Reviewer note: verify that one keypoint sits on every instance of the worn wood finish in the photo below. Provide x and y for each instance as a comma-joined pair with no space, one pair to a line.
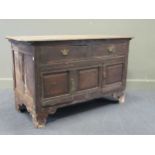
62,37
52,73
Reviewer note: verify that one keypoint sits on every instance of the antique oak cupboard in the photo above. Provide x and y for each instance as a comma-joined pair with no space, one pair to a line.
51,72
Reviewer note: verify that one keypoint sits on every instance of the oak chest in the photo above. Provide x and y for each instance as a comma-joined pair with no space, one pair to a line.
55,71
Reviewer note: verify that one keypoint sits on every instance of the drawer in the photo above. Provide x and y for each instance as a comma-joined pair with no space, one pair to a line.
49,54
90,49
110,48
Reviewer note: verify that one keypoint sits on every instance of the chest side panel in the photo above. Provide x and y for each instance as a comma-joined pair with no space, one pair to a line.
23,70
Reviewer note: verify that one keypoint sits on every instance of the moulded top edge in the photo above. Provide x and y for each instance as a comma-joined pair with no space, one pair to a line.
63,37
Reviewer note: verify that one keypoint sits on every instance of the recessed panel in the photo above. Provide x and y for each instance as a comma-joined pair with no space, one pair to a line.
114,73
19,70
88,78
55,84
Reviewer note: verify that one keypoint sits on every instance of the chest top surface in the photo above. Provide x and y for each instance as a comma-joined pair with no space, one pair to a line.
63,38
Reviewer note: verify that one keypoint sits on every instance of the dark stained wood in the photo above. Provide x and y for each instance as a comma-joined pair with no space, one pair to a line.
114,73
50,74
55,84
50,53
88,78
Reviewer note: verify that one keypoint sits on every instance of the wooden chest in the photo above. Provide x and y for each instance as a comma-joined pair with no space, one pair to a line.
55,71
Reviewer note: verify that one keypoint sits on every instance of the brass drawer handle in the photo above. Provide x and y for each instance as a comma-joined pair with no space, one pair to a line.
65,52
111,49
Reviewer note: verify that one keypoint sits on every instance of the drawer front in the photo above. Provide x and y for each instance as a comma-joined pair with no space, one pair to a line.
110,48
74,51
49,54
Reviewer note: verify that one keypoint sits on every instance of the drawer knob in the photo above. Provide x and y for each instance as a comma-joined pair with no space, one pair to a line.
65,52
111,49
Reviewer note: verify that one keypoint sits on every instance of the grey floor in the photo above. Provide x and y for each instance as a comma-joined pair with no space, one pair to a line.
136,116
